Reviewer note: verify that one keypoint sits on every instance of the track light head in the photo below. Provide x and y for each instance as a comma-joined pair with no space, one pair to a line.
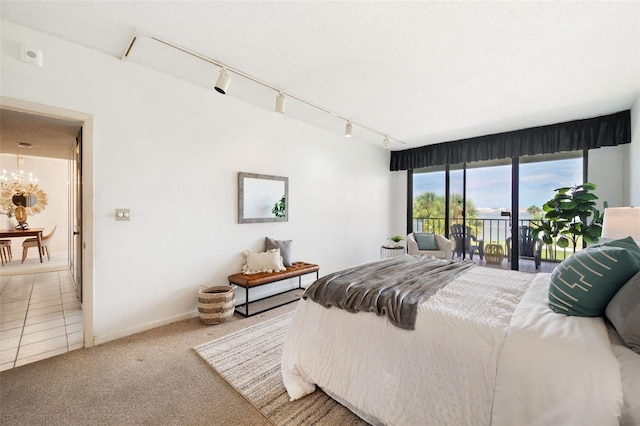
347,129
385,143
223,82
280,103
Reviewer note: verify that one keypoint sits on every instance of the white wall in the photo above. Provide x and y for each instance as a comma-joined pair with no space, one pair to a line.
170,151
616,170
607,171
633,158
52,175
399,204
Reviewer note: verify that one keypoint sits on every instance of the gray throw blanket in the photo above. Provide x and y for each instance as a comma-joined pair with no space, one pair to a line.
393,287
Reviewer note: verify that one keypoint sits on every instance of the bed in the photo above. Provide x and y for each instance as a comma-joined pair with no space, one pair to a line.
484,349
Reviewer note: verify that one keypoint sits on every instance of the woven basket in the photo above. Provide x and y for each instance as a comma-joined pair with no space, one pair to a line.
216,304
494,253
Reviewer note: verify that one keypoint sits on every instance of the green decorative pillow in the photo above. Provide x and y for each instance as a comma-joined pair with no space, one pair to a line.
426,241
625,243
583,284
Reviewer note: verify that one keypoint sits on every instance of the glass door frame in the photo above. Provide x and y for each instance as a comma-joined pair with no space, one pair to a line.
515,200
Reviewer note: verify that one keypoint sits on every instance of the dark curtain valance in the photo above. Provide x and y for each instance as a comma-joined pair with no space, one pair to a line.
606,130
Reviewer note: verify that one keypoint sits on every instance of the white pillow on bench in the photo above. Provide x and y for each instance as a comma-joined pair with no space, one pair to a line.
268,261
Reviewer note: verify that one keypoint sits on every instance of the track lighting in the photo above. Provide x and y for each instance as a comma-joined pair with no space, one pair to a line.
223,82
224,79
385,143
280,102
347,130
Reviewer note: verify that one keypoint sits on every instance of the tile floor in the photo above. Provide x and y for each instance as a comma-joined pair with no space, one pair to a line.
40,317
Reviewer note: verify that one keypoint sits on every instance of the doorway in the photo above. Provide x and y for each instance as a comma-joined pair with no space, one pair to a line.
80,213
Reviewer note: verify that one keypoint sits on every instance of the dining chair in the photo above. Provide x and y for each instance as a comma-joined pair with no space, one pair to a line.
33,242
5,251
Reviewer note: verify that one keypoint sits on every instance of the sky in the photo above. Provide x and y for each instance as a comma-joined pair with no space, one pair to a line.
491,186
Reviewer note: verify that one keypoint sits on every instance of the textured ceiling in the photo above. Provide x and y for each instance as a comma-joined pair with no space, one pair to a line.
45,136
421,72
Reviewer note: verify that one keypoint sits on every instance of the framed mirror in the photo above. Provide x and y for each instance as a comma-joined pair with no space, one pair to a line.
34,201
262,198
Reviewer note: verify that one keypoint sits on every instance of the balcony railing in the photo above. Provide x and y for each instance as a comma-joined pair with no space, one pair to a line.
491,231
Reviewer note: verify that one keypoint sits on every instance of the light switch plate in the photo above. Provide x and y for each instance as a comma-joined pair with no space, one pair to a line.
123,214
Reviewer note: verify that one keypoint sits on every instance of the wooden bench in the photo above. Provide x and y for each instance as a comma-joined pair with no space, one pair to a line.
297,269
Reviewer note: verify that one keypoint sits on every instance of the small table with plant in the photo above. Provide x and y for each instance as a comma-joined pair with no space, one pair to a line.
393,248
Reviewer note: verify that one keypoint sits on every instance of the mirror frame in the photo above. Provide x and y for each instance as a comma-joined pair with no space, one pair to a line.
6,201
241,191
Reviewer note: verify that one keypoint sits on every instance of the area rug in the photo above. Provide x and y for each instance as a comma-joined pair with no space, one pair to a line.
249,360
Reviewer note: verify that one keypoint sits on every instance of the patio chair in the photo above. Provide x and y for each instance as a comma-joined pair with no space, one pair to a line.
528,246
442,249
463,238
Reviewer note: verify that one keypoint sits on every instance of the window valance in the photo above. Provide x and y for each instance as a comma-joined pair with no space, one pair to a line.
606,130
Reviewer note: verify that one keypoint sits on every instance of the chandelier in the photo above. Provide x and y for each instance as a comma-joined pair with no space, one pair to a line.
18,183
22,185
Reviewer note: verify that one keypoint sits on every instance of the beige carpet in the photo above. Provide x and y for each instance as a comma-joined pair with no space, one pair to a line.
250,361
150,378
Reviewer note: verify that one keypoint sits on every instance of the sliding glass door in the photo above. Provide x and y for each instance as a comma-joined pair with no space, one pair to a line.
488,198
540,175
471,203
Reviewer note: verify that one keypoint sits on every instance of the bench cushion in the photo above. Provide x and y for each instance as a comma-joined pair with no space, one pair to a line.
296,269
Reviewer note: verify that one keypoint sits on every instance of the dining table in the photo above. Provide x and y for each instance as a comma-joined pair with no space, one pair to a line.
17,233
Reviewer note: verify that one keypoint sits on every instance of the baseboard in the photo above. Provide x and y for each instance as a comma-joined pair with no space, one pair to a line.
100,339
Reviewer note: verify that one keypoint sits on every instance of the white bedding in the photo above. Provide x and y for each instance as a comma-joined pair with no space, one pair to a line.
486,331
630,372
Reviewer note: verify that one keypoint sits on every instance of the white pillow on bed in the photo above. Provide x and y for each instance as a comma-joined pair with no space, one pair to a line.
268,261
